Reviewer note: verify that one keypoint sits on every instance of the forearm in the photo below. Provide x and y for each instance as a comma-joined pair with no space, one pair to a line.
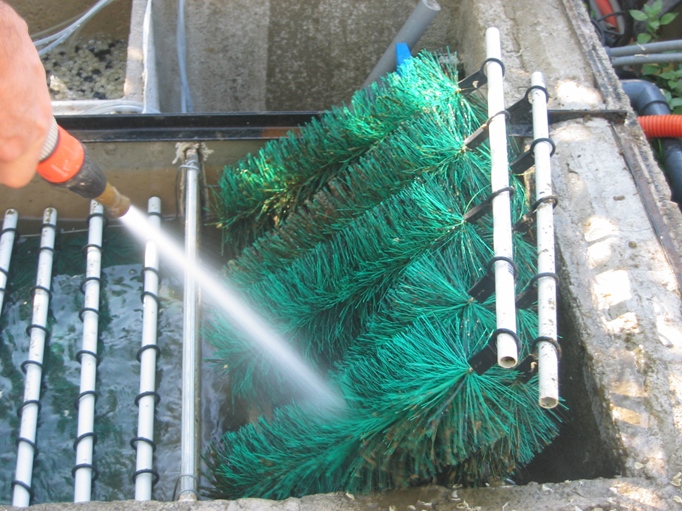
24,100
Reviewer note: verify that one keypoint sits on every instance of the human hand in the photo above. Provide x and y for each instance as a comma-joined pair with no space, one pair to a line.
25,107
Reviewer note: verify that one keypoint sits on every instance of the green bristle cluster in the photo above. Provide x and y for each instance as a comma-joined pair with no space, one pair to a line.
362,258
261,191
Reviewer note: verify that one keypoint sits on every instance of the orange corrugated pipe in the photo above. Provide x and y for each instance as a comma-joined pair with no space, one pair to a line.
661,126
606,9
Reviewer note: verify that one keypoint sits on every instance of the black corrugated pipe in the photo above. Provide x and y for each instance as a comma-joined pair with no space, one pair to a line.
647,99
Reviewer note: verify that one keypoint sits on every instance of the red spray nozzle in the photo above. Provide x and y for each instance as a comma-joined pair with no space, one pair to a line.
65,163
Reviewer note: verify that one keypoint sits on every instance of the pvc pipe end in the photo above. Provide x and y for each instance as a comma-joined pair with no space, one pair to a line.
548,402
507,362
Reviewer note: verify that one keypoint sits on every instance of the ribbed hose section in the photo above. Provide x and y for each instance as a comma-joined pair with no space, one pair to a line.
661,126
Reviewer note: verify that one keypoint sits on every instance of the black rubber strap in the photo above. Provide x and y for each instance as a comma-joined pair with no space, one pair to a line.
133,442
23,405
80,353
485,206
30,362
76,468
41,288
487,357
29,442
151,295
154,473
530,90
157,398
88,279
4,272
8,229
536,141
148,347
550,340
39,327
77,402
509,260
87,309
492,59
25,486
83,436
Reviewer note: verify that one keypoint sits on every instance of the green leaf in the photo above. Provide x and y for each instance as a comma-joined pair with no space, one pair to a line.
653,25
643,38
675,102
655,8
667,18
638,15
650,69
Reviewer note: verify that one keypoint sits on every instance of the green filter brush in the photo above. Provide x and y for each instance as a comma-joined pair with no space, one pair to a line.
262,190
355,243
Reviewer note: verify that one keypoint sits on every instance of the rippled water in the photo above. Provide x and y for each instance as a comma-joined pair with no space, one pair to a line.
117,382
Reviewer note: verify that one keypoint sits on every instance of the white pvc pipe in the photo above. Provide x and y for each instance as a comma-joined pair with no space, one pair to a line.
150,313
9,226
548,363
189,466
505,305
34,371
150,95
83,471
410,33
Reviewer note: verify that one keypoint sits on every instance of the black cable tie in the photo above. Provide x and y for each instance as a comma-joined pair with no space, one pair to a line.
23,405
133,442
147,347
475,213
76,468
29,362
87,309
550,340
152,295
88,279
77,401
155,213
80,353
83,436
157,398
42,288
4,272
8,229
154,473
529,295
487,357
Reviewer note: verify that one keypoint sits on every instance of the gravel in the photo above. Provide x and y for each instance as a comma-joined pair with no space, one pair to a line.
92,69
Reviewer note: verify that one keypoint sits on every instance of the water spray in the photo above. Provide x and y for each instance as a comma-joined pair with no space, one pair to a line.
65,163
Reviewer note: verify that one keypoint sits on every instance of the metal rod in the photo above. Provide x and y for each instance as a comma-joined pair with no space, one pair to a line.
505,305
144,471
34,364
548,359
641,49
83,470
9,228
652,58
190,388
410,33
